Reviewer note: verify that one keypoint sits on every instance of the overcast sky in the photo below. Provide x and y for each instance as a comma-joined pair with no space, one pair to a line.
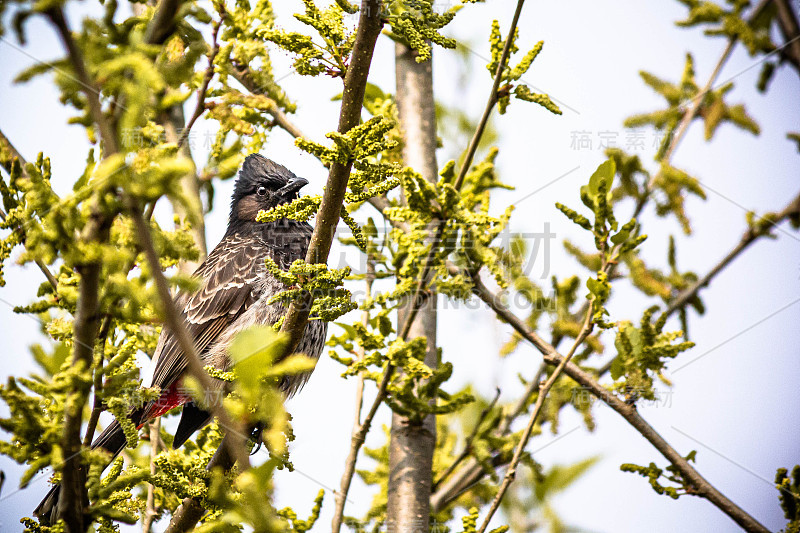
734,398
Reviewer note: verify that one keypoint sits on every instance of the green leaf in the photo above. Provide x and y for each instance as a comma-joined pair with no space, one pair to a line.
253,352
604,173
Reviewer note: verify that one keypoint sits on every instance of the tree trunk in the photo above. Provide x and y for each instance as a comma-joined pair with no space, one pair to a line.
411,445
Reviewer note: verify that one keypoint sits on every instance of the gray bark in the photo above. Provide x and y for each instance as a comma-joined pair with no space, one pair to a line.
412,444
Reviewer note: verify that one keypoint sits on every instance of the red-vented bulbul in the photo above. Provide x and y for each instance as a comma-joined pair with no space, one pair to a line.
234,293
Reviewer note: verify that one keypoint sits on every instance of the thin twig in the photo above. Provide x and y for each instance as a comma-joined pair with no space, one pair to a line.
492,100
150,511
468,442
700,485
749,237
175,322
90,90
356,441
201,93
349,470
692,113
472,471
586,329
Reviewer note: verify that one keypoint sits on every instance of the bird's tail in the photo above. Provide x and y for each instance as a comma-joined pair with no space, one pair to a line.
112,439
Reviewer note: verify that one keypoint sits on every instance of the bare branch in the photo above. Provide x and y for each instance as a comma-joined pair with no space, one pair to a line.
586,329
787,21
360,431
749,237
201,92
551,356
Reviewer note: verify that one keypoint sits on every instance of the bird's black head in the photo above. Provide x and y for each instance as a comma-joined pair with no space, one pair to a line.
262,184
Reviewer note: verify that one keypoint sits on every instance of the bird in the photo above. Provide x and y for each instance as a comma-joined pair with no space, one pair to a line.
234,294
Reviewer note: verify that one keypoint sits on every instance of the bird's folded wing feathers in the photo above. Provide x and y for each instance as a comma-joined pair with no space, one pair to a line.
228,287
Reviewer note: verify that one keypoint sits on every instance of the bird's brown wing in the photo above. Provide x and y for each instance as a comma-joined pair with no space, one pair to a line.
228,286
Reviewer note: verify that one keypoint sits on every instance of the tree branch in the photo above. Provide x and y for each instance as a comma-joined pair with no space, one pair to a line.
74,498
551,356
586,329
174,320
201,92
749,237
355,82
163,22
356,441
787,21
492,100
360,430
150,511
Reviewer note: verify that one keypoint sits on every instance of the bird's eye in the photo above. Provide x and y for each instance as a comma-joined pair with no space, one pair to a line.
261,191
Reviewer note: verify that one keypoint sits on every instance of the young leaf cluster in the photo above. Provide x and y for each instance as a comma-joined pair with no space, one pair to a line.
656,476
511,75
643,352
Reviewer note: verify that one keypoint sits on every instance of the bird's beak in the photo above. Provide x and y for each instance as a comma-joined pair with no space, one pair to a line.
289,191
